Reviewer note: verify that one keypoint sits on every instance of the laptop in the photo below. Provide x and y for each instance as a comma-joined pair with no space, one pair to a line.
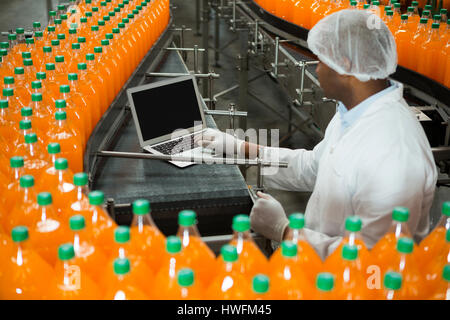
167,114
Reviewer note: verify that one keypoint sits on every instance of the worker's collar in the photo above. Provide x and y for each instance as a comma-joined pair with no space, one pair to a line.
348,117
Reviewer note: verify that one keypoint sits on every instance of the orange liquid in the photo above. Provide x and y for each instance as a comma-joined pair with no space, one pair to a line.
350,281
403,39
229,283
11,193
59,184
22,213
91,93
193,292
442,292
42,114
251,260
100,85
149,242
122,287
429,55
166,279
89,104
23,275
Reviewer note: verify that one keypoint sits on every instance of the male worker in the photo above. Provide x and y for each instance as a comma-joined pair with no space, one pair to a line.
374,156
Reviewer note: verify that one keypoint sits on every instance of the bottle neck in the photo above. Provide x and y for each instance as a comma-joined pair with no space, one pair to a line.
19,254
16,174
44,212
240,238
60,123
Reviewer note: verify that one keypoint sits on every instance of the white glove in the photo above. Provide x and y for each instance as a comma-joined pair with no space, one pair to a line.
220,142
268,217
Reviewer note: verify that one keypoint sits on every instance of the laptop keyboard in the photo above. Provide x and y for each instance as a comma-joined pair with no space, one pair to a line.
176,146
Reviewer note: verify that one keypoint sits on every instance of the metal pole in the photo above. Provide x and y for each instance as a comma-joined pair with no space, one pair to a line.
302,82
217,38
197,18
196,59
205,45
232,110
212,105
183,54
275,65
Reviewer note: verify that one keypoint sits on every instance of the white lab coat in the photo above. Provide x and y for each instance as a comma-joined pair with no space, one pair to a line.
381,161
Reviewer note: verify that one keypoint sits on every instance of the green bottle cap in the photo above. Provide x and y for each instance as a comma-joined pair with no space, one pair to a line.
392,280
37,84
81,40
49,66
3,52
130,16
4,45
36,97
80,179
8,80
400,214
187,218
82,66
66,252
297,221
426,13
122,234
437,17
415,3
12,36
51,29
325,281
19,70
90,56
121,266
76,46
38,34
446,208
125,20
41,76
26,55
72,31
288,249
185,277
135,11
121,25
98,50
105,42
229,253
84,19
19,234
26,181
349,252
109,36
61,36
443,11
366,6
260,283
121,5
24,124
96,198
405,245
116,30
94,28
27,62
8,92
55,42
64,88
241,223
446,273
77,222
60,7
53,148
60,115
106,18
141,207
60,103
20,30
44,199
59,59
447,235
117,10
26,112
353,224
64,17
397,5
31,138
173,244
52,13
389,13
410,9
29,40
435,25
428,7
94,9
404,17
112,13
423,20
376,3
101,23
103,3
72,76
4,104
16,162
61,164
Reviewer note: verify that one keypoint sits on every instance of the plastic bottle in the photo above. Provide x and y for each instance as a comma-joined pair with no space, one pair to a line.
14,101
116,55
29,70
251,260
416,41
393,286
325,286
289,282
307,257
403,39
195,252
140,275
10,193
22,271
51,84
122,287
47,231
41,112
76,57
102,87
228,283
85,86
8,129
79,202
71,282
261,287
106,73
127,43
443,290
413,17
69,139
145,235
173,261
88,256
76,107
186,288
429,53
21,87
49,177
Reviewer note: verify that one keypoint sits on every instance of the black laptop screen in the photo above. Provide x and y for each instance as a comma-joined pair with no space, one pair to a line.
164,109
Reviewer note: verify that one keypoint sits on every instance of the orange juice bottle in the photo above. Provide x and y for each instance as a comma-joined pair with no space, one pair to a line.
288,279
47,57
385,249
325,286
116,54
46,102
61,70
444,57
29,69
390,21
19,142
195,252
35,158
58,26
100,224
417,39
85,86
8,119
25,274
11,191
261,288
82,102
138,32
94,37
352,237
47,232
350,281
146,238
106,73
397,14
79,202
48,98
41,112
186,288
99,80
76,107
413,17
83,48
429,53
393,286
307,257
57,49
228,283
21,212
76,57
51,83
133,38
128,48
38,44
21,87
122,287
110,60
49,176
87,255
64,133
49,35
71,39
403,39
251,260
71,282
443,290
140,274
173,261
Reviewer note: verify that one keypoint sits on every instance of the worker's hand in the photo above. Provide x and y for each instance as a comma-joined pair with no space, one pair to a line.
220,142
268,217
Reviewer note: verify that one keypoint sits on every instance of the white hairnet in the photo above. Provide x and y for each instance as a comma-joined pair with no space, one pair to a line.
356,43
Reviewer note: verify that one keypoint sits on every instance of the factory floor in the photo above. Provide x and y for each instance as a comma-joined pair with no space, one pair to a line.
21,13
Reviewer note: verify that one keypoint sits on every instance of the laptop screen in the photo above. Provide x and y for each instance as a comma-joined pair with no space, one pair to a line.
164,109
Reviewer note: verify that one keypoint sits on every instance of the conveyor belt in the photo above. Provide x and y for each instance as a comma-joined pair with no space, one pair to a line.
215,192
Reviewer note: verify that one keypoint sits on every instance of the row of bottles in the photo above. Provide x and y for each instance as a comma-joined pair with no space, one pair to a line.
422,40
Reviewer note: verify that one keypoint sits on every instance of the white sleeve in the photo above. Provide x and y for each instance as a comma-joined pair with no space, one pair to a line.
323,244
301,173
